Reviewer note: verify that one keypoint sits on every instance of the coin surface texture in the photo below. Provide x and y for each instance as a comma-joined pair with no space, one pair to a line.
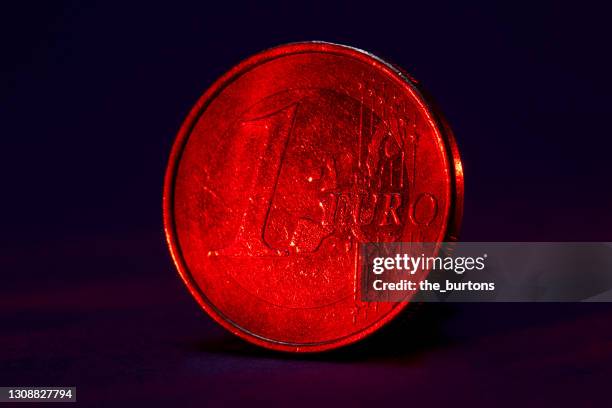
284,166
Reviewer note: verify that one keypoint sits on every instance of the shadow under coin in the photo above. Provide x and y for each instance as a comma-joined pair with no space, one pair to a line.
417,331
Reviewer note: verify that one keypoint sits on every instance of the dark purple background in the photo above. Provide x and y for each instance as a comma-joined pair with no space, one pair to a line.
91,97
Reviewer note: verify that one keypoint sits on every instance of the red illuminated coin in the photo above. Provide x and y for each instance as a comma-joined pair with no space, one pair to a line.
283,167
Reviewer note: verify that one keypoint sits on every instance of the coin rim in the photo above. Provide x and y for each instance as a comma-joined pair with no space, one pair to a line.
454,165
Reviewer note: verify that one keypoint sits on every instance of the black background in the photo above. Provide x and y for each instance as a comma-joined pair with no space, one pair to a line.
91,97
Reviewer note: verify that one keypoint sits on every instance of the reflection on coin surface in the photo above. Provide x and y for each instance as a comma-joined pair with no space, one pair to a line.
284,166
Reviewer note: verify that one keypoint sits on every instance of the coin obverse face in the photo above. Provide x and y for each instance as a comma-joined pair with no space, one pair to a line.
282,169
